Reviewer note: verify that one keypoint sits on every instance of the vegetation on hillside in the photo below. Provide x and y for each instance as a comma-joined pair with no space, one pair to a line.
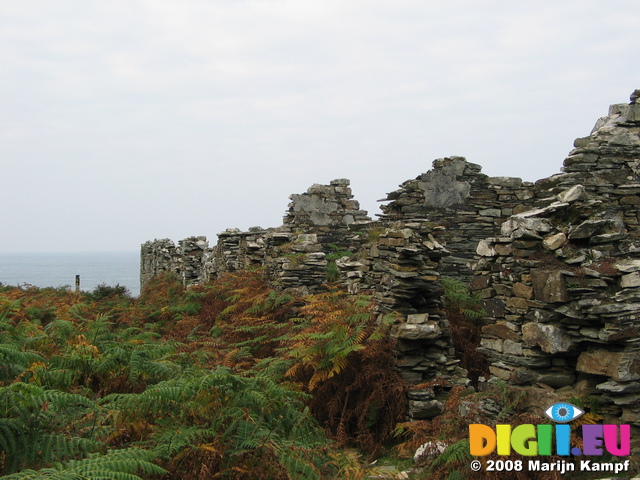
209,382
228,380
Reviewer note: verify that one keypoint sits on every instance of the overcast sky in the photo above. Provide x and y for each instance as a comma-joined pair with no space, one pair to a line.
129,120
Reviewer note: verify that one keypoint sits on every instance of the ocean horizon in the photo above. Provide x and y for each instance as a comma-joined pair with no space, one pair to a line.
59,269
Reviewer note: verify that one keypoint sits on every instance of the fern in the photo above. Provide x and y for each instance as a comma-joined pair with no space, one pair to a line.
44,474
457,296
8,308
173,439
158,399
114,465
342,355
92,380
14,361
35,425
455,454
60,330
100,330
340,327
117,464
229,416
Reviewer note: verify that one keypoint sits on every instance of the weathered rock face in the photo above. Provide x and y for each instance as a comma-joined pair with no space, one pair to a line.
556,262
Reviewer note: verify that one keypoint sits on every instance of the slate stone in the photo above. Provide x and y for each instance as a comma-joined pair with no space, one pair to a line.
588,228
425,331
550,338
554,241
549,286
423,410
620,366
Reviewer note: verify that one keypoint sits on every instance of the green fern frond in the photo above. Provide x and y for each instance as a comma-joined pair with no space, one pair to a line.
456,453
172,439
44,474
9,434
298,467
117,464
14,361
60,330
458,297
233,298
252,341
8,307
114,465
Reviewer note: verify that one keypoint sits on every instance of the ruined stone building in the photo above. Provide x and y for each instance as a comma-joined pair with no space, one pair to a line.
556,262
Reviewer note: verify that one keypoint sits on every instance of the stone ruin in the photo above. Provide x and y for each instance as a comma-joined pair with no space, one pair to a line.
561,281
464,206
556,263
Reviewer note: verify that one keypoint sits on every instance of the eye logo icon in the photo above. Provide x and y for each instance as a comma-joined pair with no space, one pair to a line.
563,412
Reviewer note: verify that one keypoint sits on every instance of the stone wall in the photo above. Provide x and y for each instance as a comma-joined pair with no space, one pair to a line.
463,205
325,210
186,261
399,269
395,263
561,281
557,264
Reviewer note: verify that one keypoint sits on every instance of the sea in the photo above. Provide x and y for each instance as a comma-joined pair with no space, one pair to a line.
60,269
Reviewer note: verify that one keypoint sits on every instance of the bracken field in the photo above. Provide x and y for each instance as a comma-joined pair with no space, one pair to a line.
227,380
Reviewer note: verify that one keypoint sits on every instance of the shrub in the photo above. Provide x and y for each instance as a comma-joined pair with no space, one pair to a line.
104,291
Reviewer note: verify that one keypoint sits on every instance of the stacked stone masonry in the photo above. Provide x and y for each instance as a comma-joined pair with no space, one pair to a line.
556,263
561,281
463,204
